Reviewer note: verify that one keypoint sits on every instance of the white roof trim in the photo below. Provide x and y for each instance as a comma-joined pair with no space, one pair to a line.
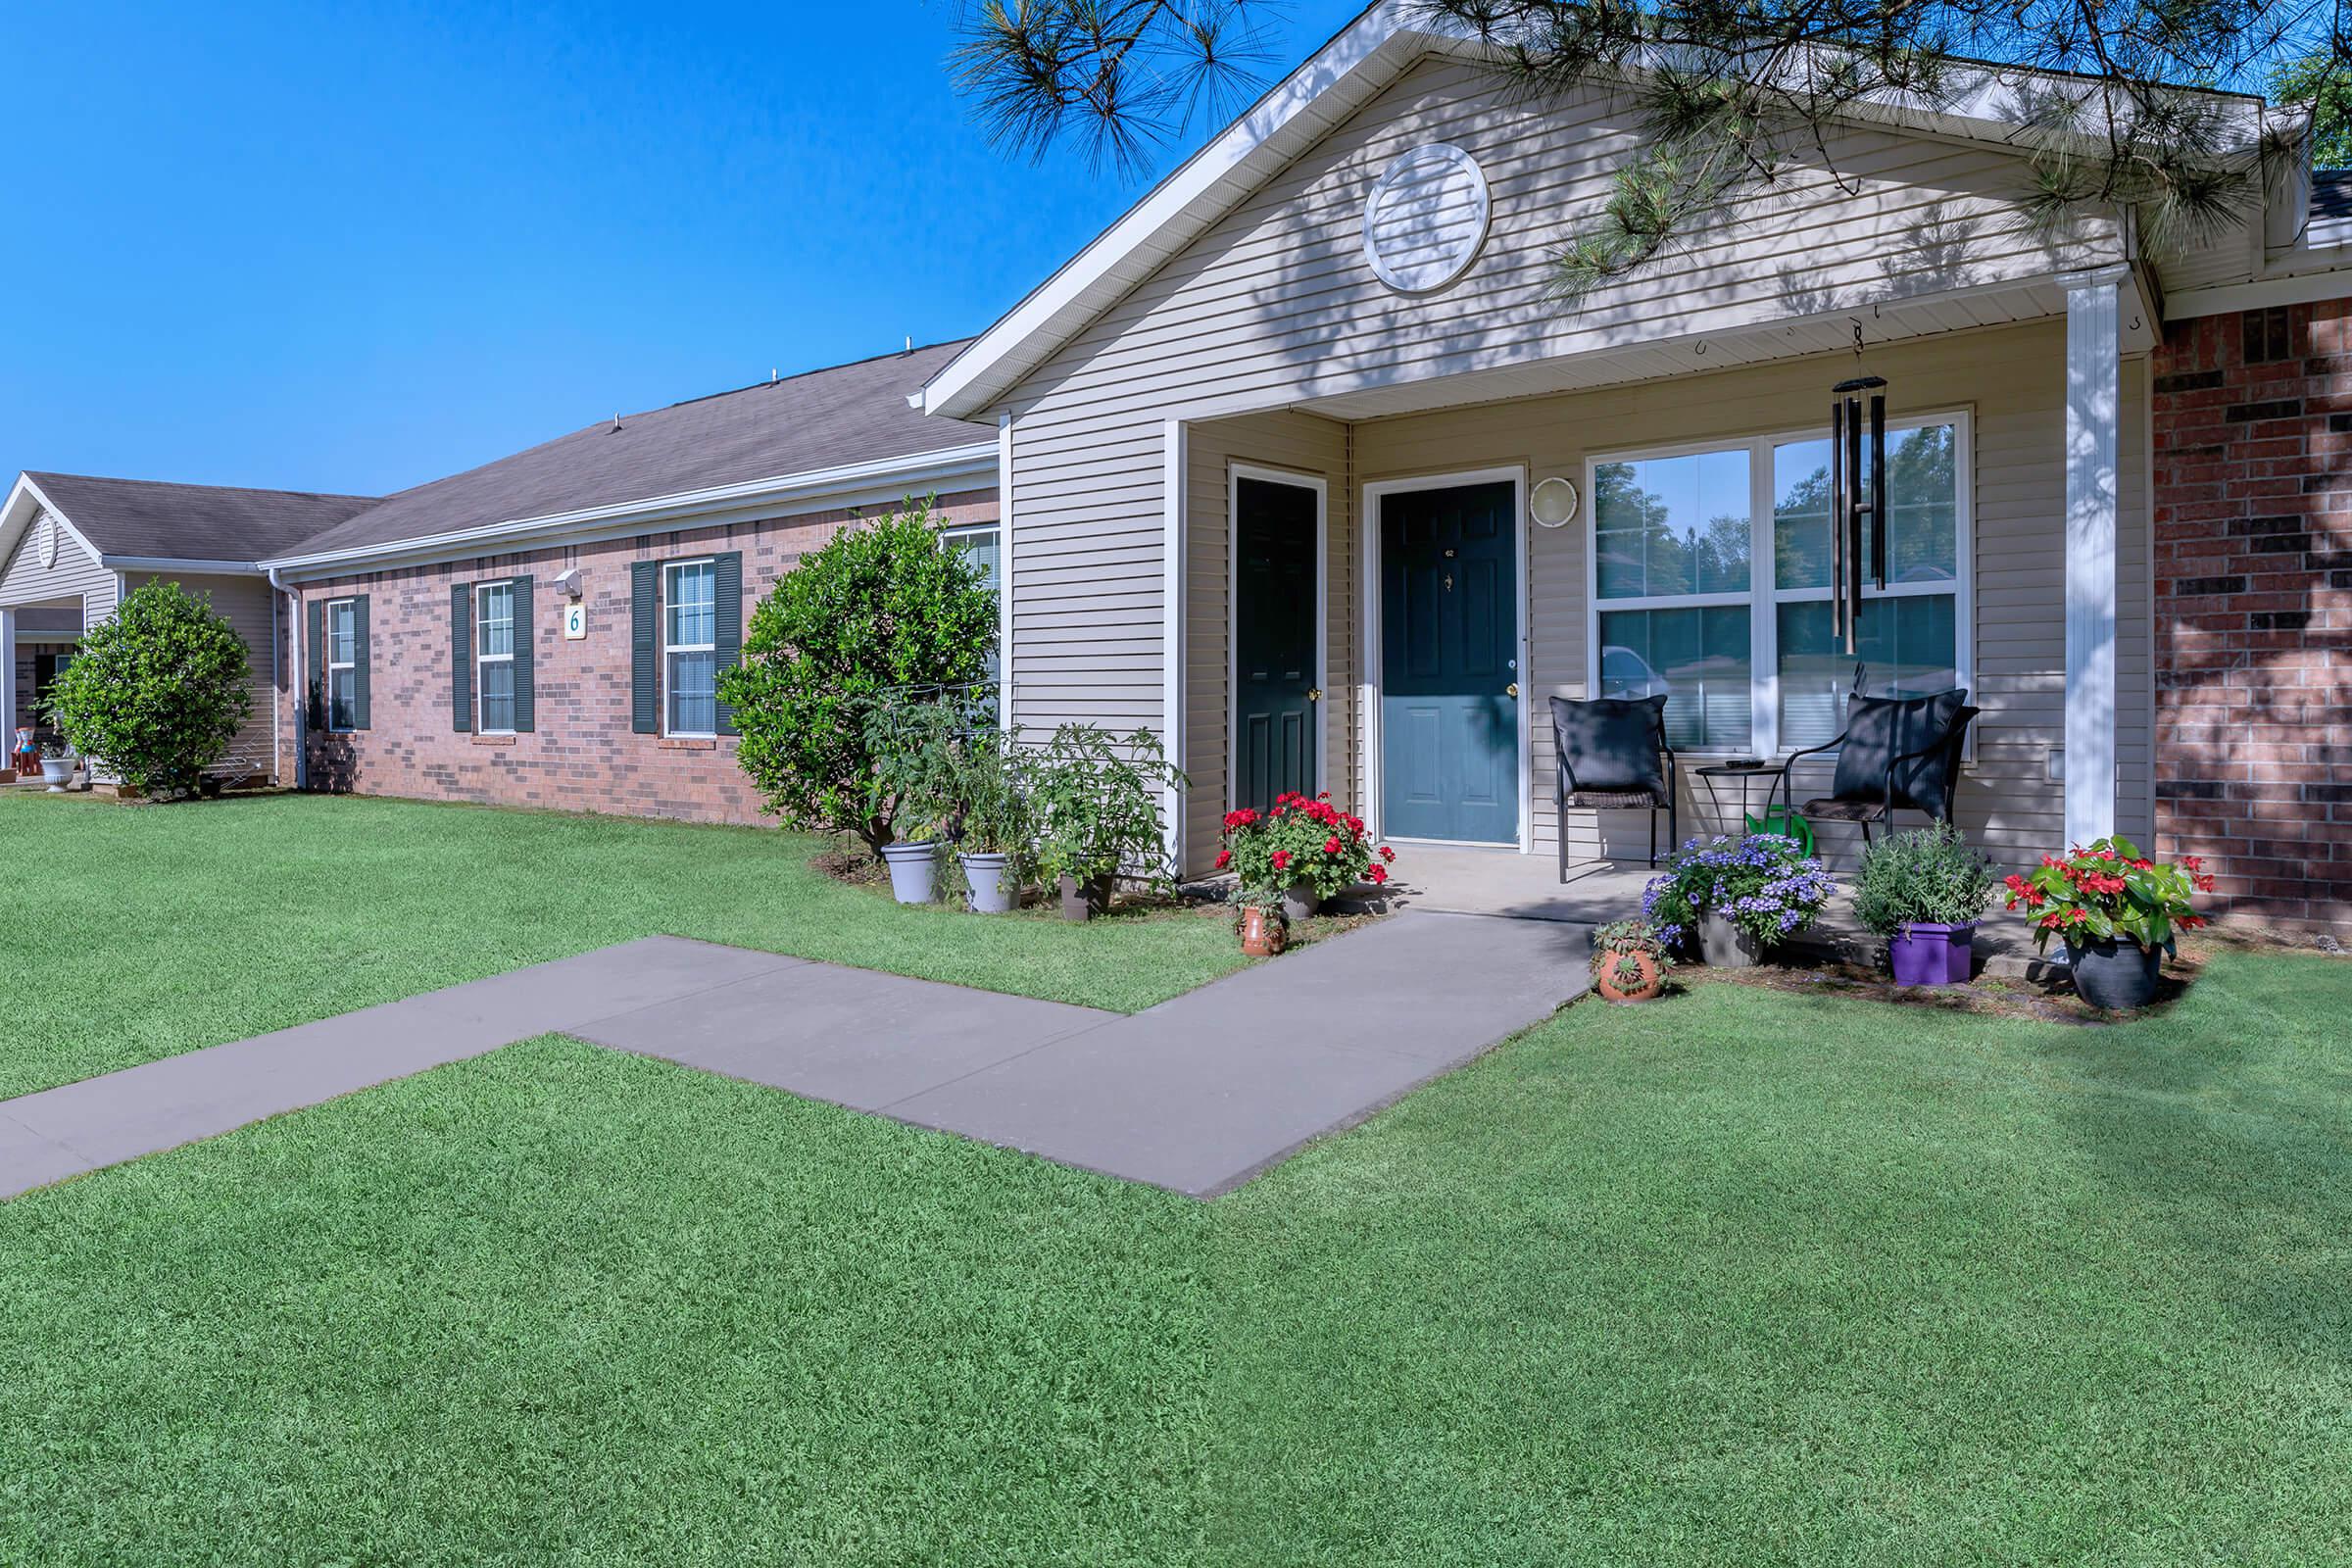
194,568
875,483
1984,109
25,502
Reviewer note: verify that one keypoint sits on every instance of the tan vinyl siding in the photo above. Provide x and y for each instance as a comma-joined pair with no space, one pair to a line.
1275,306
2013,382
250,606
76,576
1294,443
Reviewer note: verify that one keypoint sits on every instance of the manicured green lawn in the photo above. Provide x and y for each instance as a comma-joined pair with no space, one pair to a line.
142,931
1745,1277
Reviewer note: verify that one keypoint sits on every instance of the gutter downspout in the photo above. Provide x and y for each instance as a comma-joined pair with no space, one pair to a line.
294,693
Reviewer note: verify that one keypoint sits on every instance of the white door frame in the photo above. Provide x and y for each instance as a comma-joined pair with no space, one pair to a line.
1370,688
1236,473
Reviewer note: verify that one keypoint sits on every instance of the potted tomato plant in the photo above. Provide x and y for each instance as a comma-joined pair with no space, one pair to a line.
2115,910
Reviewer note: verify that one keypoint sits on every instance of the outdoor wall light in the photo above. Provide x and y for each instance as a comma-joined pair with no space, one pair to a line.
1553,502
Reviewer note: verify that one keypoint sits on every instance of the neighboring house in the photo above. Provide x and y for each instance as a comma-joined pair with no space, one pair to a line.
1262,461
543,630
73,546
1270,441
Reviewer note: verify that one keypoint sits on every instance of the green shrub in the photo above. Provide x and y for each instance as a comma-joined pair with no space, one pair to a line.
157,692
1924,877
882,607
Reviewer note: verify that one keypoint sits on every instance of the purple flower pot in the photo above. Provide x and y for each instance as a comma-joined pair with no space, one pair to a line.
1925,955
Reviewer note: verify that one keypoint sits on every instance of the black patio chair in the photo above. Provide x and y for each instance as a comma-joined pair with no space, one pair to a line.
1613,758
1895,753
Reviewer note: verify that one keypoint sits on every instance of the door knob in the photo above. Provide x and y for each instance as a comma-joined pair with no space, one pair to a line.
1314,694
1512,690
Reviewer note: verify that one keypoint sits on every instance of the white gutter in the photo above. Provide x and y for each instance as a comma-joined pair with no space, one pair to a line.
876,483
199,569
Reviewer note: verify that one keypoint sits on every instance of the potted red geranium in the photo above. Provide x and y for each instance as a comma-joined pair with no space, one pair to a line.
2115,910
1299,853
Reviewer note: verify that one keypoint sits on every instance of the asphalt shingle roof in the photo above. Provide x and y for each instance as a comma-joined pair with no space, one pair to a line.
191,521
826,419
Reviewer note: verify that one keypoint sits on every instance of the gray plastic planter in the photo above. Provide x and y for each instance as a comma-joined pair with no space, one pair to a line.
1724,944
994,892
914,870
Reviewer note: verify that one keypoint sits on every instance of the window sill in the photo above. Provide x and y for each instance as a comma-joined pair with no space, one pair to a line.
494,740
690,743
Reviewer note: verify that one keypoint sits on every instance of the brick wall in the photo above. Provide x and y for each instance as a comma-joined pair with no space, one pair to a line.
2253,520
582,755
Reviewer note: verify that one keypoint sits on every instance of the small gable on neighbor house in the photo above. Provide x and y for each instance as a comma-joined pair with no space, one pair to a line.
51,567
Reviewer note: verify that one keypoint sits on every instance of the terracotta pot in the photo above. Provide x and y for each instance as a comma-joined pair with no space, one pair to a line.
1265,933
1611,989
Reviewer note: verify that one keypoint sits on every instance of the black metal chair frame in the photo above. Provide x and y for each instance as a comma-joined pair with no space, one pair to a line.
1563,785
1953,740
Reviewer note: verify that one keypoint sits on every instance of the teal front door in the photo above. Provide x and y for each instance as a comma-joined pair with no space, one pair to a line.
1274,566
1449,671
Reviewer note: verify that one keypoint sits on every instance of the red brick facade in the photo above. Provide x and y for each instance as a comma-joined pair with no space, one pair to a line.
581,754
2253,522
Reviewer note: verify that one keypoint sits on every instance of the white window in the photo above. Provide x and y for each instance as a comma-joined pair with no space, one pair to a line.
494,659
1710,584
342,663
986,546
690,647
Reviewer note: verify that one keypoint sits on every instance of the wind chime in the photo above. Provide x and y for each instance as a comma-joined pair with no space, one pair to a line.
1857,491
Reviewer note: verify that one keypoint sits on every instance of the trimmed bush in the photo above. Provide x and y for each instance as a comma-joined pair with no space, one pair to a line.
157,692
883,609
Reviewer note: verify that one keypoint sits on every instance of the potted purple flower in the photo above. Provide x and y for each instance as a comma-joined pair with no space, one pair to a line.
1922,891
1738,896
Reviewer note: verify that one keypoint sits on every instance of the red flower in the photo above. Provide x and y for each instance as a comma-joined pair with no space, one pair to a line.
1282,859
1378,874
1331,846
2193,862
1224,858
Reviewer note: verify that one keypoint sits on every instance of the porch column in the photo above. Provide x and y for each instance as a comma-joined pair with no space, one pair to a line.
8,685
2093,404
1175,436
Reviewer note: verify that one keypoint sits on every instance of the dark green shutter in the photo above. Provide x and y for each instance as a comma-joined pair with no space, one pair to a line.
645,647
359,662
728,637
461,658
315,698
526,633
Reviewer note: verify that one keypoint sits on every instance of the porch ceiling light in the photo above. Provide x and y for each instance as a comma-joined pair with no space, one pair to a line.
1553,502
1426,217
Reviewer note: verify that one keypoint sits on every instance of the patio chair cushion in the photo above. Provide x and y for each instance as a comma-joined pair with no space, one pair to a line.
1611,745
1879,729
1616,800
1828,808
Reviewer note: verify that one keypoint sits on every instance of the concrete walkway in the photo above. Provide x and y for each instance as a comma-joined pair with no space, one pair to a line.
1197,1095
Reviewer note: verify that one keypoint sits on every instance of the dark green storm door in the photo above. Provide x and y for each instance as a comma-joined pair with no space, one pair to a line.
1274,696
1449,671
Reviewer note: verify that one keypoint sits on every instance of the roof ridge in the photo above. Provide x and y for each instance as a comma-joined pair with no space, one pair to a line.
38,475
819,369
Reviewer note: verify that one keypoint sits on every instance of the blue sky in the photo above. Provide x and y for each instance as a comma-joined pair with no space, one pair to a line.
357,249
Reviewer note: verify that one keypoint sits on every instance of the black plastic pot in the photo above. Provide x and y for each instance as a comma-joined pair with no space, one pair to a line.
2115,975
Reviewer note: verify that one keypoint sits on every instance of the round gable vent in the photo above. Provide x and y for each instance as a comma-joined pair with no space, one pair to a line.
48,541
1426,218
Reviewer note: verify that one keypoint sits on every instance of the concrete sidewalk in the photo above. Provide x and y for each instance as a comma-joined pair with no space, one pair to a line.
1197,1095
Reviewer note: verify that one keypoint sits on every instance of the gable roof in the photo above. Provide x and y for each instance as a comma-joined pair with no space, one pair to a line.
829,426
1384,42
127,521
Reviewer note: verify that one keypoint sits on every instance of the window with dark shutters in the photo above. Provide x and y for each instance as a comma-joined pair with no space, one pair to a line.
461,658
645,647
360,660
727,640
526,633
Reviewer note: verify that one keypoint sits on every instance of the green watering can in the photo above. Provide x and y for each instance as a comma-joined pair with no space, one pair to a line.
1783,821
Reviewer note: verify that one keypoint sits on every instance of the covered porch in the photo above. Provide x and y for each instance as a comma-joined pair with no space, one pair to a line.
1373,605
